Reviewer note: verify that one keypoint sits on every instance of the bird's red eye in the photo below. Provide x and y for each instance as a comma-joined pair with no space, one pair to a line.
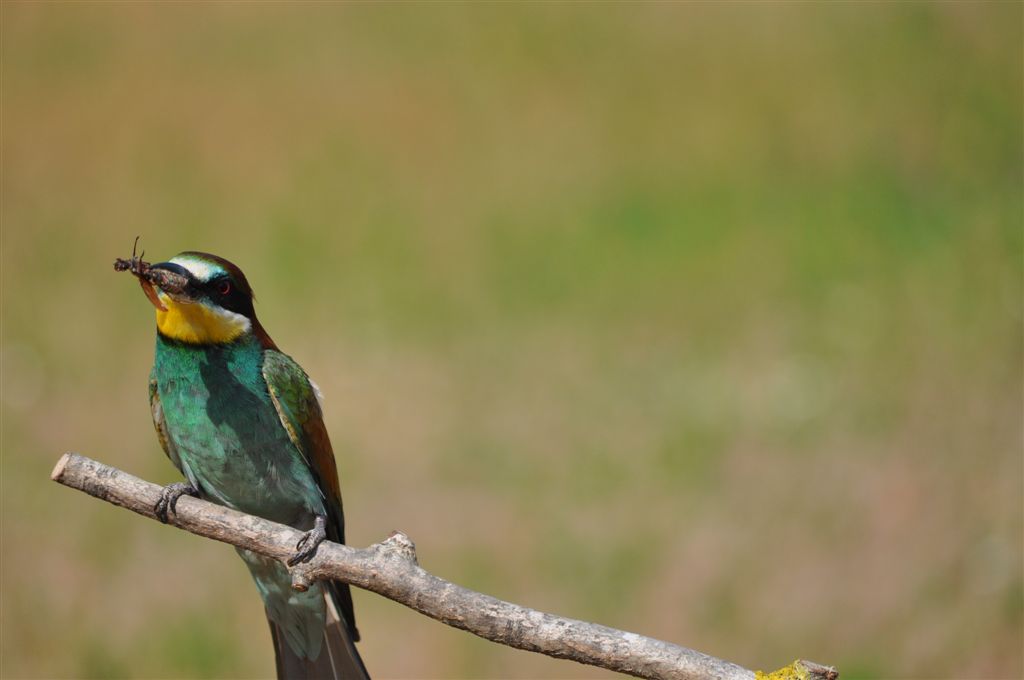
224,288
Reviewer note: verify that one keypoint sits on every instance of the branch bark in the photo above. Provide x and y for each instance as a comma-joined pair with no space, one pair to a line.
390,568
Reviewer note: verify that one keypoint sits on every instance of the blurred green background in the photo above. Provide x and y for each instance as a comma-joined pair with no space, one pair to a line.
697,320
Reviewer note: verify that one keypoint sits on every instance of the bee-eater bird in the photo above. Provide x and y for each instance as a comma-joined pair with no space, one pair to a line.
242,422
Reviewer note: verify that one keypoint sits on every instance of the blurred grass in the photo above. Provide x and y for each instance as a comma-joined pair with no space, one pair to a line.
698,320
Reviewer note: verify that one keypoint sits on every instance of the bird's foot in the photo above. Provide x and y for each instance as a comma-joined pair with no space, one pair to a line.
307,545
169,499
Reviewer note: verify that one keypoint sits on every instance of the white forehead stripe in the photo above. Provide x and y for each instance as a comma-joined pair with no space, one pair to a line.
201,269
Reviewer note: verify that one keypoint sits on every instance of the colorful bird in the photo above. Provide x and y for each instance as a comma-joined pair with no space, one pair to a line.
242,422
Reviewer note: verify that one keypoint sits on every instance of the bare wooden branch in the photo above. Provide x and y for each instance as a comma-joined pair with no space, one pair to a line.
390,569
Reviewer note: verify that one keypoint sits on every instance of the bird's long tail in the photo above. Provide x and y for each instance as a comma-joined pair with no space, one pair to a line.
338,658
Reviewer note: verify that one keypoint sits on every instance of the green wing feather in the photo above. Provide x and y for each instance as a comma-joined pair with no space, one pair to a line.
296,402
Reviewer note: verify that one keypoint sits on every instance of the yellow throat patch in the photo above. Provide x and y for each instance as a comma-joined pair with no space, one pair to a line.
197,324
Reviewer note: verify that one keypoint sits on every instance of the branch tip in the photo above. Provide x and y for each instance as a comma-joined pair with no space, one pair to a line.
800,670
817,671
58,469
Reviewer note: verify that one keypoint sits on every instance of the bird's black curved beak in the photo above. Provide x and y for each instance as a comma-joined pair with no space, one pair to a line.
169,277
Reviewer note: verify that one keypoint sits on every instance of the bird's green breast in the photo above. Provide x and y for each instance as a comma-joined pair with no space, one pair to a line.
225,430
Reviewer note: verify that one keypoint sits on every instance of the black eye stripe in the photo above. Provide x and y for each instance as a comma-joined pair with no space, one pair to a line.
234,300
214,284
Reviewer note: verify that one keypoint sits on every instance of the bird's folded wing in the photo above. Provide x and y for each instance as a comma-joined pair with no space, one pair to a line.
296,402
